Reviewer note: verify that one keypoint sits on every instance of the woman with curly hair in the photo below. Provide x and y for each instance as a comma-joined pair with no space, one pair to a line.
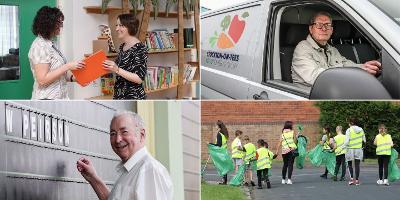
131,63
49,66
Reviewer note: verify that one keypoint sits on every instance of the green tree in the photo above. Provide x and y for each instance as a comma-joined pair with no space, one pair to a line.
368,114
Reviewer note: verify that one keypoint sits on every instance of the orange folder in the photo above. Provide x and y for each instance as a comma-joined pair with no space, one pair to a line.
93,70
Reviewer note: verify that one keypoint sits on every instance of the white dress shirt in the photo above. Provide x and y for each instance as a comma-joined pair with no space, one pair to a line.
142,178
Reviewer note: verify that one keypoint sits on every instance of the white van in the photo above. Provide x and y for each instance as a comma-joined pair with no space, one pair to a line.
247,49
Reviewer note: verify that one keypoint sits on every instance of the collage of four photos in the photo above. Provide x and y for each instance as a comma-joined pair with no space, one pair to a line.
199,99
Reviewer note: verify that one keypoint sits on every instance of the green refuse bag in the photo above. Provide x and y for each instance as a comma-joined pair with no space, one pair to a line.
221,159
301,147
239,176
329,160
394,171
316,155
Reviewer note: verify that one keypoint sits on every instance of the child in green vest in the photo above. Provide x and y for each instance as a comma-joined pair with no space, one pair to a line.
340,151
384,144
264,161
237,150
326,141
249,159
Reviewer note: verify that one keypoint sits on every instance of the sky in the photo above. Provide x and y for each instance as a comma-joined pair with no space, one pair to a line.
216,4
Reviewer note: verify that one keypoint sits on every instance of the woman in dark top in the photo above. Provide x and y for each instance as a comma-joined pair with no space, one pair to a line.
222,141
131,63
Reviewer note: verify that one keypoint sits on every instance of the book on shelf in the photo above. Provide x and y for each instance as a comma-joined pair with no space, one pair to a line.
161,77
159,40
188,74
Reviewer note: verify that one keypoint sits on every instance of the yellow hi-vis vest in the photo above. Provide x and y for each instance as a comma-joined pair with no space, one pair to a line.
250,152
288,140
224,142
356,139
326,143
383,144
236,153
339,140
264,160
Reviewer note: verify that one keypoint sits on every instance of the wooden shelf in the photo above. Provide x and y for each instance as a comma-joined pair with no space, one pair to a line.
167,50
97,10
162,89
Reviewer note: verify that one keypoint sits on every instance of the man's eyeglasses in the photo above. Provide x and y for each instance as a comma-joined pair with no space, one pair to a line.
327,26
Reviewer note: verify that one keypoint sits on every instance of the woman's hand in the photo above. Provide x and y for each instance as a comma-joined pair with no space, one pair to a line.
110,66
76,65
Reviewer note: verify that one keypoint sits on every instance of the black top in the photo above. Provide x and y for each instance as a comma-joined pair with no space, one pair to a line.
132,60
219,140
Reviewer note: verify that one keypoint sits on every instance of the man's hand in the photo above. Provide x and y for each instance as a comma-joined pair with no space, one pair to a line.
86,168
373,67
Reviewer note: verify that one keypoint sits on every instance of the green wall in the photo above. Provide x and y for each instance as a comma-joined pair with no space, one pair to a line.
168,142
22,89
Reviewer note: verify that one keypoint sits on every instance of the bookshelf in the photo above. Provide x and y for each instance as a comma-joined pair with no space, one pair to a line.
181,90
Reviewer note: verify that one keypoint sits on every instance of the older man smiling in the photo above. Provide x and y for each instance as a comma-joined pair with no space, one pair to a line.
142,177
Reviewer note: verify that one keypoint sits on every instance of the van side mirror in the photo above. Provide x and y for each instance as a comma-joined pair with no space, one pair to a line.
347,83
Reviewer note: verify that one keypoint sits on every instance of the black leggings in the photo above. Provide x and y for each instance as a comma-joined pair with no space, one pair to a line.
225,178
383,161
357,166
340,160
262,174
288,160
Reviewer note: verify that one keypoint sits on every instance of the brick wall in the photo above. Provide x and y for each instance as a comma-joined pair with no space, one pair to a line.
258,120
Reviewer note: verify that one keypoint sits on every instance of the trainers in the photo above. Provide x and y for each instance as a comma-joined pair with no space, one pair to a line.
259,187
351,182
289,182
283,181
386,182
379,182
357,182
246,184
335,178
325,176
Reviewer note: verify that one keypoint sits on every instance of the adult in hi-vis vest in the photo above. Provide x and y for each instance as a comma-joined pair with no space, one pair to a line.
221,141
340,151
288,141
355,137
249,160
384,144
237,150
326,141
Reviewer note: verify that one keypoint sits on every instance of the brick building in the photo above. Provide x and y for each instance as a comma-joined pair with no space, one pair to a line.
258,120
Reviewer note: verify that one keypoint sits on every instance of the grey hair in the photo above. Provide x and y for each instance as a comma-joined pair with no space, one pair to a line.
321,13
139,123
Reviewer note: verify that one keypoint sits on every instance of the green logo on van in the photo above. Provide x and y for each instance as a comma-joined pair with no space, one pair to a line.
231,32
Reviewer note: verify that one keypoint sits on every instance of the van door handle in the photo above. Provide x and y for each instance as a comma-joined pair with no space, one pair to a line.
262,96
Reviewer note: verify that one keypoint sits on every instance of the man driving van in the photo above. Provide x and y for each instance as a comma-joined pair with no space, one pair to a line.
314,55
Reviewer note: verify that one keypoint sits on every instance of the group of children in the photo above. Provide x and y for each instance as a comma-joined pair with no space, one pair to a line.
347,148
260,158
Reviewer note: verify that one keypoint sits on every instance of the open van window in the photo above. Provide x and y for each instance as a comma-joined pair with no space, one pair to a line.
292,26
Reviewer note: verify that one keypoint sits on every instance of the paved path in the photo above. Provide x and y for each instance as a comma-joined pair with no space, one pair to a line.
307,185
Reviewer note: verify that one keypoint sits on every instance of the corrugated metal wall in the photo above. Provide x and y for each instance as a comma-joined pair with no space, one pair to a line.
191,148
40,142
